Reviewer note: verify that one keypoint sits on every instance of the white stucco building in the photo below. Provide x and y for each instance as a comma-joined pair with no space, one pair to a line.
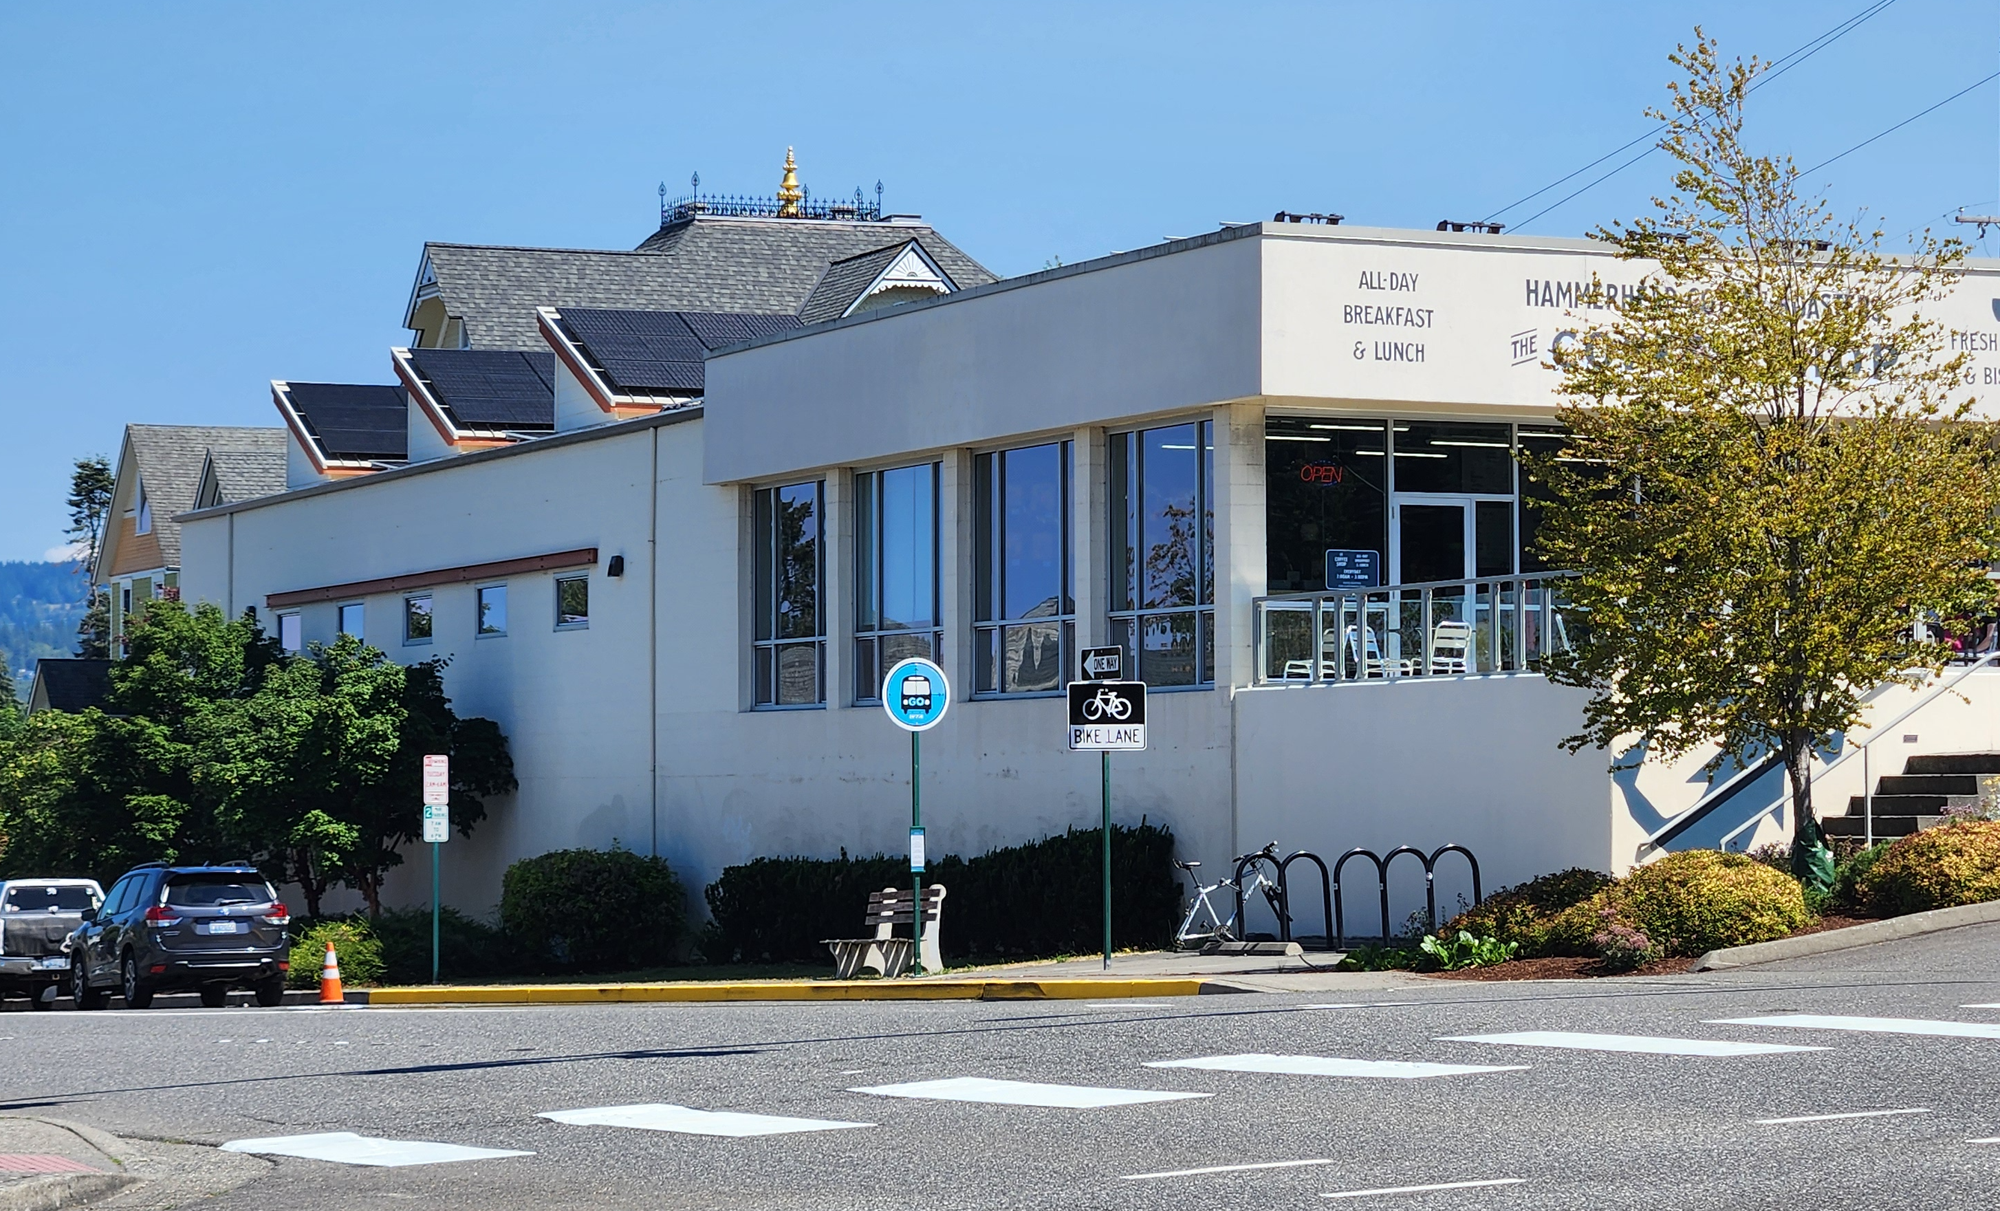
677,595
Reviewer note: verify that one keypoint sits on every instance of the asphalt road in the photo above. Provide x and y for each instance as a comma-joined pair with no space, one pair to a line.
1577,1128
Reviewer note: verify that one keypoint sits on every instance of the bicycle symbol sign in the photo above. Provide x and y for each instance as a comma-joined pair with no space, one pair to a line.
1107,715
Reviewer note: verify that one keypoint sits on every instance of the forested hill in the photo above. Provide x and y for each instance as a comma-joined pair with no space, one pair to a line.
40,606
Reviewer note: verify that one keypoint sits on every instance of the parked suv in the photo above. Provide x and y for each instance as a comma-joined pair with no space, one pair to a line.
168,928
36,919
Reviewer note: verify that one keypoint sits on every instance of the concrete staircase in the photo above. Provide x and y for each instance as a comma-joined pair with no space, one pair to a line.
1916,798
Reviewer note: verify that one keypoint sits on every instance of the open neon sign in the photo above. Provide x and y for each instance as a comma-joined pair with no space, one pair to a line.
1323,472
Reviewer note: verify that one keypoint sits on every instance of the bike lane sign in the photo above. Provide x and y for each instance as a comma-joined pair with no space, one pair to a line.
1107,716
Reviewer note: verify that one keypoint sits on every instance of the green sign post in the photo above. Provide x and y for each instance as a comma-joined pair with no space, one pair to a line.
915,695
1106,715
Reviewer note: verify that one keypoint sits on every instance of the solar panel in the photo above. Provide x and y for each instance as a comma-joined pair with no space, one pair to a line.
355,420
492,388
717,329
661,350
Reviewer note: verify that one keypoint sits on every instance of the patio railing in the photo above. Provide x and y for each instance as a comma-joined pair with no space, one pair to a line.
1443,628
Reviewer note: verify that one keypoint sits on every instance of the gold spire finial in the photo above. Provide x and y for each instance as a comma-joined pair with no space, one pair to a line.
789,192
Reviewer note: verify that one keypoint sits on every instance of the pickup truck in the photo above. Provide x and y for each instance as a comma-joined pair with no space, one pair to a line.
36,918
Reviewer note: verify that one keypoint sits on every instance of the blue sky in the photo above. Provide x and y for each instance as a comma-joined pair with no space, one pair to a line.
197,198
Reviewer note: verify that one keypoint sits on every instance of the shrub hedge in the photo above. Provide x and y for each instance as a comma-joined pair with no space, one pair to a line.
1037,899
1691,902
468,949
355,946
1524,914
1941,867
593,910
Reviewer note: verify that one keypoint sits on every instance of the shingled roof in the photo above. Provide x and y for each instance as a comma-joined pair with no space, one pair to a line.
69,683
707,263
237,475
169,459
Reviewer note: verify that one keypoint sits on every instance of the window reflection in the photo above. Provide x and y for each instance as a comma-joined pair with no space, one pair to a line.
1162,569
786,628
1024,609
896,572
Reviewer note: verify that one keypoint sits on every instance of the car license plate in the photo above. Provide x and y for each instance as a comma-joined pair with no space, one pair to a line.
221,927
53,963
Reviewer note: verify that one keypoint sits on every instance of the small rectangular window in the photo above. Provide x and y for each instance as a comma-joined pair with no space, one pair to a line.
290,636
125,599
572,602
493,610
417,619
351,619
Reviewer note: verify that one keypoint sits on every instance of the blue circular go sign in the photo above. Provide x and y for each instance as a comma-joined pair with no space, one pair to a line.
915,693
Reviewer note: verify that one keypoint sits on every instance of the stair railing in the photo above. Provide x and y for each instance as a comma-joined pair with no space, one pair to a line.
1867,786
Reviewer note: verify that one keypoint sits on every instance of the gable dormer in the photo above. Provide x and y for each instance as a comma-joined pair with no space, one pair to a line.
881,277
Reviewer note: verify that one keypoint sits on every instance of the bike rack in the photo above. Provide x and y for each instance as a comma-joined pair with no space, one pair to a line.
1381,863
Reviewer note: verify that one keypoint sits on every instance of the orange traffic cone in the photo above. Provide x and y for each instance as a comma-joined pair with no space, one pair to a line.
329,980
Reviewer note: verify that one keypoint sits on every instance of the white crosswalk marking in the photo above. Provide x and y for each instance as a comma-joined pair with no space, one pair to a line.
1493,1181
1641,1043
1023,1093
1324,1065
684,1120
1828,1021
1828,1118
351,1149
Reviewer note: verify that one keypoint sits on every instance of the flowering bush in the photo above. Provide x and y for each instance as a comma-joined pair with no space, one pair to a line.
1620,946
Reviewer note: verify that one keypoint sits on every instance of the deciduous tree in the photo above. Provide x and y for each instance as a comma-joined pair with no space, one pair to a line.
1773,477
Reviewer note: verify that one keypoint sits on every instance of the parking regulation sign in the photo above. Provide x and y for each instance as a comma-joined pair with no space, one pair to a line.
1107,716
437,779
437,823
915,693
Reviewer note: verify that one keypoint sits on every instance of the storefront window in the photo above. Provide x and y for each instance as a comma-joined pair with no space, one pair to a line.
1324,491
895,572
1024,612
1162,569
788,641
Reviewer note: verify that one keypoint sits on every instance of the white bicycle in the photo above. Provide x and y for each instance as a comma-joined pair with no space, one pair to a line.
1204,928
1106,702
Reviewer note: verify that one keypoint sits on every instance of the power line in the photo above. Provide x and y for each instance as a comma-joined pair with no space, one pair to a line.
1777,68
1900,125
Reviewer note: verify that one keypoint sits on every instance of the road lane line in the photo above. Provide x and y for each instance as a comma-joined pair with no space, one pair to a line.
684,1120
1127,1005
1023,1093
1323,1065
1496,1181
1827,1118
1830,1021
348,1148
1991,1139
1140,1177
1640,1043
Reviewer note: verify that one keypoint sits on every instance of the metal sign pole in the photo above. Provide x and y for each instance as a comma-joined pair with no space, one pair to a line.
435,847
916,876
1105,759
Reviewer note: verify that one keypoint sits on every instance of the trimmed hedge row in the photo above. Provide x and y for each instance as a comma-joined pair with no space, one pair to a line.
1038,899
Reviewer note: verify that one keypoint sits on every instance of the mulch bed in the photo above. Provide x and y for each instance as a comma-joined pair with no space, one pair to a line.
1583,969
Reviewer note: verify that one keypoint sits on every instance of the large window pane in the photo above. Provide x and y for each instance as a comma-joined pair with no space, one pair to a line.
797,517
788,527
1434,457
909,548
1032,569
1546,441
896,571
1323,491
1021,537
1161,548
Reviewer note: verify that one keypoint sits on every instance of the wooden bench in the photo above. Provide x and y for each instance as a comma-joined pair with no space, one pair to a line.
885,952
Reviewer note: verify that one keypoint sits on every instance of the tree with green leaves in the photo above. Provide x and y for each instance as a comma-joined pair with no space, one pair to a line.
1772,483
90,487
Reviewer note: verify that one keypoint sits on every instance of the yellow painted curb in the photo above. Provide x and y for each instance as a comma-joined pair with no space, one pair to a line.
795,990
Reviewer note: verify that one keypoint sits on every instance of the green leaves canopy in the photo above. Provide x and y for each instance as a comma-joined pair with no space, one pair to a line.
1770,482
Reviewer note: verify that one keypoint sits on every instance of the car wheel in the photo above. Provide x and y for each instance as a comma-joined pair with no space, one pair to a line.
270,992
137,994
80,991
214,996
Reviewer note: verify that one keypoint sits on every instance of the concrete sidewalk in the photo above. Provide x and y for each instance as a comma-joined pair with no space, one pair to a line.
50,1163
